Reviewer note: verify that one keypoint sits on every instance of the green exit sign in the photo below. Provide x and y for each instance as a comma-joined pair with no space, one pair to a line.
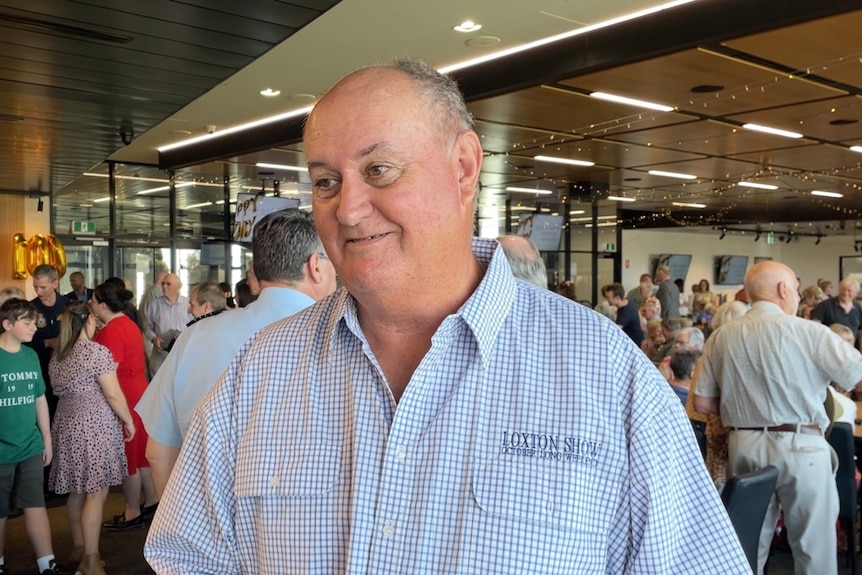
83,227
609,247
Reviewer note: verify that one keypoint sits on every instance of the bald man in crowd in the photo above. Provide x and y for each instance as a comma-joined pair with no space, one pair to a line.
167,316
766,373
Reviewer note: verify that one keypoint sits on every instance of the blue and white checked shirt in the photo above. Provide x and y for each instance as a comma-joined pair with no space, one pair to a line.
534,437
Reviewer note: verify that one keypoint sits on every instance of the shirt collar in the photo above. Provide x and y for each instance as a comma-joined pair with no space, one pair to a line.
484,311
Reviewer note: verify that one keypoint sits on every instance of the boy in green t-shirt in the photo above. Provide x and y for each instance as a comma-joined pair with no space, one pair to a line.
25,434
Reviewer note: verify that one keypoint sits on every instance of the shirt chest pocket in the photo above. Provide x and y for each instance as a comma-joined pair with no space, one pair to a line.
540,494
311,471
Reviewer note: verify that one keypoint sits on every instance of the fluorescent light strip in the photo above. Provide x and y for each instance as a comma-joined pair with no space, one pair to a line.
576,212
136,178
591,219
672,175
281,167
100,200
530,191
564,161
235,129
163,188
631,101
774,131
601,225
200,205
563,36
826,194
688,205
856,149
757,185
620,199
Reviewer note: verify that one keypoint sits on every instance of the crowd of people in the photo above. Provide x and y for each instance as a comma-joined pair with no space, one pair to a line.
442,400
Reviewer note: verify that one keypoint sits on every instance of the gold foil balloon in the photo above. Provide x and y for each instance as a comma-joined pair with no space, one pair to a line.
38,253
19,257
57,254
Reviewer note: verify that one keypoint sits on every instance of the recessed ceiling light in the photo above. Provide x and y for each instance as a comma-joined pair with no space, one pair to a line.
569,161
631,101
672,175
467,26
688,205
270,93
302,98
773,131
529,191
826,194
757,185
484,41
620,199
856,149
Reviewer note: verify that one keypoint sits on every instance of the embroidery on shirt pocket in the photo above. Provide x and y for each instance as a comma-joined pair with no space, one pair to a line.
533,493
303,472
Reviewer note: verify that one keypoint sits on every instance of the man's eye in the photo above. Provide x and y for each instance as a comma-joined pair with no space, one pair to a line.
377,171
325,187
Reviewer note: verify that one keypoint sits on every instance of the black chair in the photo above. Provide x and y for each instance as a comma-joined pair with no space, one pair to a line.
699,428
842,441
746,498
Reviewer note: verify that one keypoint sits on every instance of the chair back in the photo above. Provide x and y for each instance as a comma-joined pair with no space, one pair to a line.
841,440
746,498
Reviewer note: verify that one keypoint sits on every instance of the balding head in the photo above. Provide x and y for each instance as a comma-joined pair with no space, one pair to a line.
773,282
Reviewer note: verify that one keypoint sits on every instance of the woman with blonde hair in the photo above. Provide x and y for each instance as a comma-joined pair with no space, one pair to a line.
87,433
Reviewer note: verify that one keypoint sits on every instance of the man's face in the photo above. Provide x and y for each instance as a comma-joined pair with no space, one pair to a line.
22,330
846,292
171,286
77,282
45,289
197,309
610,298
391,204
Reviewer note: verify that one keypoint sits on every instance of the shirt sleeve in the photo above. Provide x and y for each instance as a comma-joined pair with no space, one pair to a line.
110,338
668,498
103,361
193,532
157,408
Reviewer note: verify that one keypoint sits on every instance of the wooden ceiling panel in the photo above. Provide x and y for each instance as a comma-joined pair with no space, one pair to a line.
669,80
612,154
828,47
563,111
822,157
707,137
836,120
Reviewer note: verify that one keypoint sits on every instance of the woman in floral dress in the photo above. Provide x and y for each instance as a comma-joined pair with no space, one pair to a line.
88,429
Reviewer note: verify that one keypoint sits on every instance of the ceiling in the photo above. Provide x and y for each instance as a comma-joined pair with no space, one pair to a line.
84,81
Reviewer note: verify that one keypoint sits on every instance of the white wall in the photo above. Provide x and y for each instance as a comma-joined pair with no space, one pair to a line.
35,222
809,261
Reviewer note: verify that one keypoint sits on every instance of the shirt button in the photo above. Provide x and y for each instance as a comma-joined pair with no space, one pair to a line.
388,529
273,481
401,454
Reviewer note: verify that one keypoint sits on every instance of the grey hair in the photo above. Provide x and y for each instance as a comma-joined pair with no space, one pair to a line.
442,95
525,260
46,271
209,292
695,336
282,243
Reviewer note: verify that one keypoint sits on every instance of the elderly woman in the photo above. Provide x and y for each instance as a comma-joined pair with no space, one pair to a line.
811,297
87,432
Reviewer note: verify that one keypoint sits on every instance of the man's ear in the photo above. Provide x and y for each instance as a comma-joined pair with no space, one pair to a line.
469,152
313,269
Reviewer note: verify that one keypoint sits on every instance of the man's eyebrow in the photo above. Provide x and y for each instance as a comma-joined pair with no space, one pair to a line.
362,153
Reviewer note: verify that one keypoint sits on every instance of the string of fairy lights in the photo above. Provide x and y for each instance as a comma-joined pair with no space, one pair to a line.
725,196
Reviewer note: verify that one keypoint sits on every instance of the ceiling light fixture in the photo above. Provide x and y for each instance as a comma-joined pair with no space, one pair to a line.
576,212
773,131
100,200
757,185
529,191
688,205
200,205
672,175
235,129
826,194
591,219
164,188
118,177
631,101
571,162
568,34
856,149
281,167
620,199
467,26
270,93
